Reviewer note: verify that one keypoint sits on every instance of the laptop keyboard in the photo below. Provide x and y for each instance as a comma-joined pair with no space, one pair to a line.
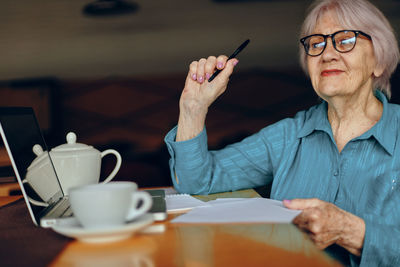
67,212
61,210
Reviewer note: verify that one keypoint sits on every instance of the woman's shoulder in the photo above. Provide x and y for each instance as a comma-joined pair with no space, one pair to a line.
393,107
391,115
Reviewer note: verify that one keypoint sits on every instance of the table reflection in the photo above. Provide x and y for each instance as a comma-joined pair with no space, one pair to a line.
200,245
251,244
124,253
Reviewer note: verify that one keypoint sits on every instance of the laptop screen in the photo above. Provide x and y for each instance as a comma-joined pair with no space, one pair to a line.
21,133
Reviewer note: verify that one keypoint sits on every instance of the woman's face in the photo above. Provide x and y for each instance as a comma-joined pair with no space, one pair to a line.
335,74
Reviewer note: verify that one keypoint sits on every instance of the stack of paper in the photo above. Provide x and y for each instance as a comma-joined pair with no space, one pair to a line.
182,202
239,210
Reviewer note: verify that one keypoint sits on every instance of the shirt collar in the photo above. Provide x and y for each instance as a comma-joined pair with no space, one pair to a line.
383,131
316,119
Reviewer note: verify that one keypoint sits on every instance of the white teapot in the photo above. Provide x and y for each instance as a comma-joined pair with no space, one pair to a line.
78,164
40,176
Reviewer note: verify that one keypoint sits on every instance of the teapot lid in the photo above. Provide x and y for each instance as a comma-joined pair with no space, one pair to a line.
71,144
40,156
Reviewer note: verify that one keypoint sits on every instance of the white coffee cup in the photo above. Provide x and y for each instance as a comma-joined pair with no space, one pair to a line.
108,205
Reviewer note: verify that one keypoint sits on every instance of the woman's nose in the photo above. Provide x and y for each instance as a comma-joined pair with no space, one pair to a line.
330,52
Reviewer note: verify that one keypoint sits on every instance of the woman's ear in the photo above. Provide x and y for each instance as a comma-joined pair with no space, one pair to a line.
378,71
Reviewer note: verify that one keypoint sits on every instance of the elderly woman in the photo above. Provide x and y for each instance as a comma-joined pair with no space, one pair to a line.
338,161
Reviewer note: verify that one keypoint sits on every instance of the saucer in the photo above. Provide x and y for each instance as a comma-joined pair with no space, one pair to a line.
72,228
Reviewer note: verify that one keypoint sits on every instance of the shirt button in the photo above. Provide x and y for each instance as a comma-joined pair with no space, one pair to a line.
336,173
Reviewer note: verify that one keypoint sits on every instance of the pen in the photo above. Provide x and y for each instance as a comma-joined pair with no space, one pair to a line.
237,51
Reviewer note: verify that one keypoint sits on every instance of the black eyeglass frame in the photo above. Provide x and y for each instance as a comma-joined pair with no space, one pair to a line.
332,36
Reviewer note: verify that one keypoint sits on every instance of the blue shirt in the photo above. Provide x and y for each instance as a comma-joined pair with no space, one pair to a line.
300,157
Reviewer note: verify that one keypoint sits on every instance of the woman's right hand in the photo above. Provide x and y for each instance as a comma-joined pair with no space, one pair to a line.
199,94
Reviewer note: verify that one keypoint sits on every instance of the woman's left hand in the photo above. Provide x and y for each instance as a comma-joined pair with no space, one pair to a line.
327,224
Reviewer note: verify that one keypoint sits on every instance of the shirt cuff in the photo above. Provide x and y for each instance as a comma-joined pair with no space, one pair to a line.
381,245
188,154
369,242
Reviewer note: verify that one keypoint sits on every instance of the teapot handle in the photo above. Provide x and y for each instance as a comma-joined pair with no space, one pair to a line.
117,166
35,202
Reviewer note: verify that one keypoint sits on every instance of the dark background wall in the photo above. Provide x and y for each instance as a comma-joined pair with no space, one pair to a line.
132,115
116,81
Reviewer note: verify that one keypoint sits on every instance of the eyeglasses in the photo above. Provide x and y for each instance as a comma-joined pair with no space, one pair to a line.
343,41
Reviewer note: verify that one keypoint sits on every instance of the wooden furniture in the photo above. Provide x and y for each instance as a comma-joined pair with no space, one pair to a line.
199,245
4,200
8,184
202,245
4,159
7,188
36,93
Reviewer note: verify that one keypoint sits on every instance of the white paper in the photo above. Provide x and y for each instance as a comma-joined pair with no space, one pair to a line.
181,202
227,200
170,191
253,210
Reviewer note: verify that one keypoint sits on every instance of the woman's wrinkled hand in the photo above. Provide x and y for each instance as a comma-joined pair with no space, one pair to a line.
199,94
326,224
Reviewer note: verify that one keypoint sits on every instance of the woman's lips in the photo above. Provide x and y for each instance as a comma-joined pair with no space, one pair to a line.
331,72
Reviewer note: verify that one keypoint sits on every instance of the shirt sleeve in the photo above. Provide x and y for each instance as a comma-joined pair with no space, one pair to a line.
381,244
195,170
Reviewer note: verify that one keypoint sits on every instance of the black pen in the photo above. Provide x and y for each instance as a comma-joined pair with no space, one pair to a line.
237,51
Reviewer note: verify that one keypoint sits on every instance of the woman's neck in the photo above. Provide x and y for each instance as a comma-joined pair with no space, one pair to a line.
352,116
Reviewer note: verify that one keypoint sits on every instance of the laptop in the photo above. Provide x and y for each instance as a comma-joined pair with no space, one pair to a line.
20,132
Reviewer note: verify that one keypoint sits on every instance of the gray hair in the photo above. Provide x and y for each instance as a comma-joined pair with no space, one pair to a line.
364,16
